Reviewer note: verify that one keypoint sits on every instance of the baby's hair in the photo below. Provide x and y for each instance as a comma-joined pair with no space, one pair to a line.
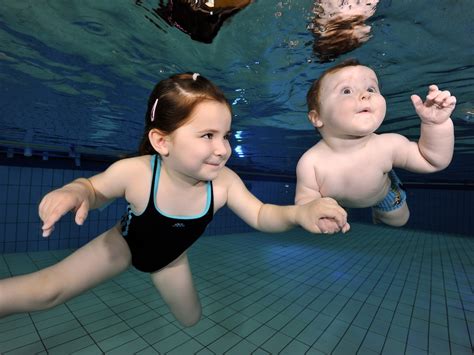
312,97
172,102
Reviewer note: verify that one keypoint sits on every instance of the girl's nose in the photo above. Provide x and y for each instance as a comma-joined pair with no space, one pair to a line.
220,147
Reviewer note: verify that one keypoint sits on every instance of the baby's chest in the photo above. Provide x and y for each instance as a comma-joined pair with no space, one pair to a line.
350,180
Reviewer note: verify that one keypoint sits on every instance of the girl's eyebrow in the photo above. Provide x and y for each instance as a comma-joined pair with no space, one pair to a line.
210,130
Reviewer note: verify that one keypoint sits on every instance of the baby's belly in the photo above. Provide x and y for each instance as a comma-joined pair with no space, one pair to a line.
357,194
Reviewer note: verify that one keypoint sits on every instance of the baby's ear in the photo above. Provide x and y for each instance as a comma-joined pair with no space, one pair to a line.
314,119
159,141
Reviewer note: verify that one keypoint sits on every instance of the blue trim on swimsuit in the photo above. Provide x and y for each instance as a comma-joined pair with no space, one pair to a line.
157,179
395,197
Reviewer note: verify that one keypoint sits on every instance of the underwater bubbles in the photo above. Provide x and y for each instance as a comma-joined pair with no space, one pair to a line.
467,115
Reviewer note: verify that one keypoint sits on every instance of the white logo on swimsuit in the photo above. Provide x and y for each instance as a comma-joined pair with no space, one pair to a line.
179,225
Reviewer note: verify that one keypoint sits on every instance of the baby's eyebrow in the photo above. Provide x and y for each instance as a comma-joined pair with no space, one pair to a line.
375,80
342,82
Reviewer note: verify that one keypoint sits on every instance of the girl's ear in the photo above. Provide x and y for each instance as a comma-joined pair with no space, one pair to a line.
159,141
314,119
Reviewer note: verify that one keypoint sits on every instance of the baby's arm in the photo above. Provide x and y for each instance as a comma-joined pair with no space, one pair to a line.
307,188
435,147
273,218
82,194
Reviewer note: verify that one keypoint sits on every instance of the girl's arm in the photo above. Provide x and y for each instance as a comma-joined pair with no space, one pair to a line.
434,150
273,218
83,194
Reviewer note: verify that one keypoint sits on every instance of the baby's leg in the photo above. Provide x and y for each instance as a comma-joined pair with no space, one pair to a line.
100,259
175,284
395,218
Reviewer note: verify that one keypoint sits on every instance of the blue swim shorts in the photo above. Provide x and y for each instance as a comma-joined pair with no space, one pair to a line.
395,197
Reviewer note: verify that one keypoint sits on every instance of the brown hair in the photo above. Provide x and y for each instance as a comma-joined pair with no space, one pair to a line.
177,97
312,97
338,36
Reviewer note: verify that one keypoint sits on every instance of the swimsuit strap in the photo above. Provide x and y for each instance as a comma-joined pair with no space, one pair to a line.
155,169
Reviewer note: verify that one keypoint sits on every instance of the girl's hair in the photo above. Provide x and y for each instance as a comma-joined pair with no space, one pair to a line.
172,102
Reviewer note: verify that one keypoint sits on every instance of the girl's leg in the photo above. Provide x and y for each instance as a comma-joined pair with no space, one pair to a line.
175,284
395,218
100,259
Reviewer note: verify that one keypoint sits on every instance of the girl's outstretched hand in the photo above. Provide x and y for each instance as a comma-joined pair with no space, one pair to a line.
59,202
322,215
437,107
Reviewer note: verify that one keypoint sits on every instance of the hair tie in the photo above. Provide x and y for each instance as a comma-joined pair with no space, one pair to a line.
195,75
153,110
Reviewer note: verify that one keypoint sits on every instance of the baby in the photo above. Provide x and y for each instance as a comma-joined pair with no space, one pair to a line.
351,163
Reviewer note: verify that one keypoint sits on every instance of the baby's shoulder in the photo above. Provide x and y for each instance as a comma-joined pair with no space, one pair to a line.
312,154
388,140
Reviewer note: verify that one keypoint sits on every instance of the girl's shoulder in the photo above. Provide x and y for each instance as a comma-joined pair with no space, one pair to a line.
139,162
225,175
226,178
128,167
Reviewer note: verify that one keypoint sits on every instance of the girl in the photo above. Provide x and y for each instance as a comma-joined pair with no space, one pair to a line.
173,189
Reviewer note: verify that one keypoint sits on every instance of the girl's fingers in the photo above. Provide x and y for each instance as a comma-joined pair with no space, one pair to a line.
47,232
81,213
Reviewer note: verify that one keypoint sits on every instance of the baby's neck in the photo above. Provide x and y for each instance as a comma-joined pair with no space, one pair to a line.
347,144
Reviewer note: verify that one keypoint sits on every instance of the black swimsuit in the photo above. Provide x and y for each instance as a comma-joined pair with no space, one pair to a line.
156,239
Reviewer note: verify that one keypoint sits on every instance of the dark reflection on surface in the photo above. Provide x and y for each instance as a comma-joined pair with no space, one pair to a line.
200,19
339,26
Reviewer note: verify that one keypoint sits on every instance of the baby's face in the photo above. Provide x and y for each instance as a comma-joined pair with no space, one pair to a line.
351,103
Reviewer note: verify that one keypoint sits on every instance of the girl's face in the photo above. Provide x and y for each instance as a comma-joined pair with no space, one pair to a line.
200,148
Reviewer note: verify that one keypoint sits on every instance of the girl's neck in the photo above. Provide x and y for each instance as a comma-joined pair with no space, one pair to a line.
178,179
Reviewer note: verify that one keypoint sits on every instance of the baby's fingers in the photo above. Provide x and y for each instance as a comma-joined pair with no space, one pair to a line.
447,101
439,98
417,102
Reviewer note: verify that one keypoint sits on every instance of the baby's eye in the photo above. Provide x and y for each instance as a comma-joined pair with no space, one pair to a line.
346,91
372,89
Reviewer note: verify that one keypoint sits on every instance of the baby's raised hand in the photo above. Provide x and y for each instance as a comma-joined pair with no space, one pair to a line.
437,108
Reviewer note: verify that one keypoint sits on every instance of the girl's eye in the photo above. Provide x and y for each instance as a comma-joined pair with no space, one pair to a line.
208,136
227,136
346,91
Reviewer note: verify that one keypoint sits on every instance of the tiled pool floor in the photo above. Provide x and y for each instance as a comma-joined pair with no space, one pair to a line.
375,290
